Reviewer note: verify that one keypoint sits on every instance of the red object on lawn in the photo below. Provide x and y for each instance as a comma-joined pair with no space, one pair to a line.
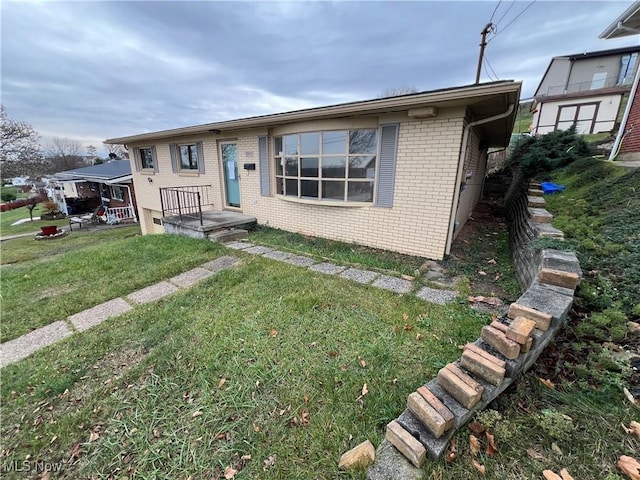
49,230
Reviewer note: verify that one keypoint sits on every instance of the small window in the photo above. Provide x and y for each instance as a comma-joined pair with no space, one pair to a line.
146,158
157,221
117,193
188,157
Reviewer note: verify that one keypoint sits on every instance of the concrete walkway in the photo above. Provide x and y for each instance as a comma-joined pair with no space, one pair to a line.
20,348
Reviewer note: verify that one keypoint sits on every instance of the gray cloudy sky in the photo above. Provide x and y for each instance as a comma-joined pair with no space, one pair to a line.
93,70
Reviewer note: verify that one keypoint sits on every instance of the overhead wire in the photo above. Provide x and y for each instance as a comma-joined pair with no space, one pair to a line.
505,13
491,68
486,70
495,10
513,20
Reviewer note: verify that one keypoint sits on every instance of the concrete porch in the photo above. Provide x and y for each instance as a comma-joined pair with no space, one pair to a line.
213,221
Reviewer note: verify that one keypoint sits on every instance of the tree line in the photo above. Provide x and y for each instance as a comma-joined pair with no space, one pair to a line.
23,155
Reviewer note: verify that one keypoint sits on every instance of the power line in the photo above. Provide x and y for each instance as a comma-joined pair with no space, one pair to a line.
516,17
486,70
505,13
491,68
495,10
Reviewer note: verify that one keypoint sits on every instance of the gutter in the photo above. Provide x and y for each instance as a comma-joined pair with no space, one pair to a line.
463,155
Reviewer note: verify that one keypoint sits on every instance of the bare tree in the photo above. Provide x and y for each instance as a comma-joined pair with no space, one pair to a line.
64,154
92,151
396,92
119,151
20,152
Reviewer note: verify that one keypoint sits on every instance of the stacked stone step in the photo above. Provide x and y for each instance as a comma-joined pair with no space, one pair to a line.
507,347
435,410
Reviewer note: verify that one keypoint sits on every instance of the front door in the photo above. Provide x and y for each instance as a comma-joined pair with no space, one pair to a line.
229,154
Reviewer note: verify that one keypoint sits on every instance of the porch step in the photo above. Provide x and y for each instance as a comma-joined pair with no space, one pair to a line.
228,235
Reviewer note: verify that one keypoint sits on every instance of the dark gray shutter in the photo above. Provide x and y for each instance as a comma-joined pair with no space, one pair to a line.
137,162
263,157
200,157
173,150
154,155
387,165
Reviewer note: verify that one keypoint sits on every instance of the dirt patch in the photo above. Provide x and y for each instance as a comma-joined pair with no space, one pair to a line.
481,253
110,369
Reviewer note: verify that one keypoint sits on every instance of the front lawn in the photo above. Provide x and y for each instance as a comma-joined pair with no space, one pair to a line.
267,368
48,280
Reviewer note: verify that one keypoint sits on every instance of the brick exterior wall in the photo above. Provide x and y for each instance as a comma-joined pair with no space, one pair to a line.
631,141
425,182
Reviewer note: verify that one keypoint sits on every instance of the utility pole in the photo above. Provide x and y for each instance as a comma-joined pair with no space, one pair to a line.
488,28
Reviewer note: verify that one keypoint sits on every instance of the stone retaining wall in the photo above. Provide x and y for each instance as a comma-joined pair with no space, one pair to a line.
506,348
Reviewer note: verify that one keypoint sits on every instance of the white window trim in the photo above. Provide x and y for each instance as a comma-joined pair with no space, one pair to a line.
326,201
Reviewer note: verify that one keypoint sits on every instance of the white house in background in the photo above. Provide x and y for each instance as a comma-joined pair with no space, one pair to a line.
586,89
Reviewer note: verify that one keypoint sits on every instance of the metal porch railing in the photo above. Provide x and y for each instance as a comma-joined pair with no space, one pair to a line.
186,201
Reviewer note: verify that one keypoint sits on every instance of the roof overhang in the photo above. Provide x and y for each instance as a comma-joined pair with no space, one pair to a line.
483,100
600,92
88,178
626,24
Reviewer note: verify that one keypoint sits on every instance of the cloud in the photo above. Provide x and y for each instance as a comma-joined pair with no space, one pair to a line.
94,70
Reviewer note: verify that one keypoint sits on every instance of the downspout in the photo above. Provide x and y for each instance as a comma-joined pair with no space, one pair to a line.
623,124
463,155
135,214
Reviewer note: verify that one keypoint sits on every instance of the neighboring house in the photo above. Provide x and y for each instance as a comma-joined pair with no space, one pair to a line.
82,190
586,89
400,173
627,144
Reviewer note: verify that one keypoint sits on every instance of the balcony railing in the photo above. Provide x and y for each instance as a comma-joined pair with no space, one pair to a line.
186,202
587,85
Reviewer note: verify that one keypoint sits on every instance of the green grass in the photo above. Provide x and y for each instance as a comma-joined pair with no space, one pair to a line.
524,118
12,216
57,278
348,254
287,342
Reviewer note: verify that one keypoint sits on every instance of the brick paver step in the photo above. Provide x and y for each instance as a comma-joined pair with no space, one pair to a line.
484,365
411,448
460,386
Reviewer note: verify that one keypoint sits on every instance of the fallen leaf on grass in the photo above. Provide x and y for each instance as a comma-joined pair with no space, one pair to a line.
196,414
556,449
343,368
477,428
629,396
221,382
405,316
547,383
363,364
634,428
304,418
273,333
93,437
491,446
269,462
365,390
480,272
418,336
629,467
75,452
564,473
549,475
495,301
229,473
452,451
478,466
474,444
534,454
245,458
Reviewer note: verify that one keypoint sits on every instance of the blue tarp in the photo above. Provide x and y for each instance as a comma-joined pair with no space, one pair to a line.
550,187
